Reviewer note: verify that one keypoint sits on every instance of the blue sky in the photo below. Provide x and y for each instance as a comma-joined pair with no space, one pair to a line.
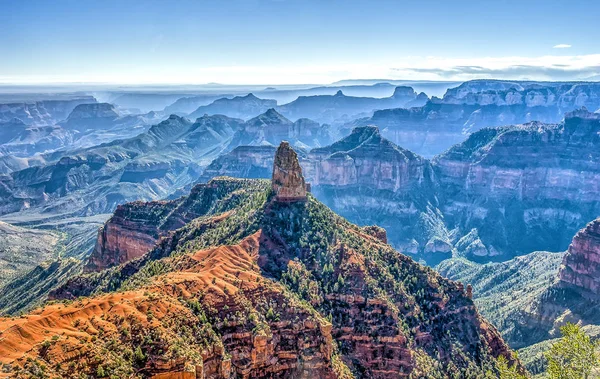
280,41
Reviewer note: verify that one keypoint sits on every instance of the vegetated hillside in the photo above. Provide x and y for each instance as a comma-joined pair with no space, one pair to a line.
29,290
504,291
22,248
529,297
264,281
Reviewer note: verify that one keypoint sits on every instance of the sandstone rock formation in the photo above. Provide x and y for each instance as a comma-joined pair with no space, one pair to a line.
581,264
129,234
287,181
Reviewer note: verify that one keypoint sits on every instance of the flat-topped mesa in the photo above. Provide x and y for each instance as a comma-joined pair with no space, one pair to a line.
581,264
288,182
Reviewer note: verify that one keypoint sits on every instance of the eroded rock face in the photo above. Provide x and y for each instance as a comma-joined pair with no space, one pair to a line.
523,187
581,264
288,182
124,237
136,227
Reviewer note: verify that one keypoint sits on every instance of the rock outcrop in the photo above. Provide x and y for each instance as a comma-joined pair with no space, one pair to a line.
130,233
287,181
581,264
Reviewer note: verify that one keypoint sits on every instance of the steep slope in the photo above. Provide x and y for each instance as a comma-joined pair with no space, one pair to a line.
523,188
528,298
243,107
368,180
30,290
296,291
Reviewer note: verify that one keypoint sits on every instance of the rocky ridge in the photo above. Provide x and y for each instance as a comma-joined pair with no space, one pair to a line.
290,289
244,107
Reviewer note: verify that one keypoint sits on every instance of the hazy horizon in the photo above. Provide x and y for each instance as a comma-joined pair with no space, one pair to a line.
274,42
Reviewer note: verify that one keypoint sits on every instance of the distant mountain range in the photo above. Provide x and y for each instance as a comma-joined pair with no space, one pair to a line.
441,123
503,192
335,109
148,166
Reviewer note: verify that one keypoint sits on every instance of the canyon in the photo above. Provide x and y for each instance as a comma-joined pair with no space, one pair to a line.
290,289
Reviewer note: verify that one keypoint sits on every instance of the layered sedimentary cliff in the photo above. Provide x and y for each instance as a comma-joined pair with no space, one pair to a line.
130,233
581,264
431,129
524,188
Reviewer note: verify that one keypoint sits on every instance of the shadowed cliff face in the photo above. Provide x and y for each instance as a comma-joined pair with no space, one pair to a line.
296,291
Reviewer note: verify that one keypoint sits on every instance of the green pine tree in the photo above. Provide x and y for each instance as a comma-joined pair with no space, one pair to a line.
573,356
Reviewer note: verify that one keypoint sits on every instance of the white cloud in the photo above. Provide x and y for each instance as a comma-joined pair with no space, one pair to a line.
550,67
561,46
400,67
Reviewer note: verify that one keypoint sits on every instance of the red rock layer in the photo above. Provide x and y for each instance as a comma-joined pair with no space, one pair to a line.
160,318
581,264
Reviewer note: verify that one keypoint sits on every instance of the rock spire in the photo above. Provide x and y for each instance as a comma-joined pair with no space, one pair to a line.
288,182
